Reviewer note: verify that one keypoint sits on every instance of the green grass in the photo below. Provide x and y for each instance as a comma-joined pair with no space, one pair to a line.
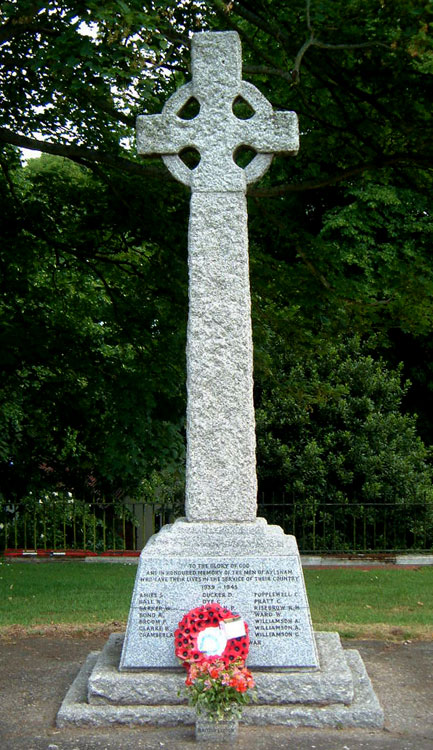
358,603
372,603
66,592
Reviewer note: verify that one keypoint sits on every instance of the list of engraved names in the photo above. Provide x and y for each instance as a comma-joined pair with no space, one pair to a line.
266,592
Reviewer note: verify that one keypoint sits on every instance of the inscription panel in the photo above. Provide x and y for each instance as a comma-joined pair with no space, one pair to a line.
268,592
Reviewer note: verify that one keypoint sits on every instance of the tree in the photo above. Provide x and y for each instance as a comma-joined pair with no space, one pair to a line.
331,433
332,427
78,73
92,339
358,73
339,235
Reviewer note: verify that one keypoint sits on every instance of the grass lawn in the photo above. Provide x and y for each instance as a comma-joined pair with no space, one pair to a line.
379,603
65,592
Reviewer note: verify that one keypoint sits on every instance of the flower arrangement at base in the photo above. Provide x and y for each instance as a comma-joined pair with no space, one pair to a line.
213,644
217,689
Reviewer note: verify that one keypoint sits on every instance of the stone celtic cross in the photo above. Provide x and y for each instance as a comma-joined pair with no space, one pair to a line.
221,480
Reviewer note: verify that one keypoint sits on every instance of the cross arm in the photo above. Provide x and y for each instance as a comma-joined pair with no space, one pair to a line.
156,134
277,133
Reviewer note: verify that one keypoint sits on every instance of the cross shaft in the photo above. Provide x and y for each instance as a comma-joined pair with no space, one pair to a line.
221,471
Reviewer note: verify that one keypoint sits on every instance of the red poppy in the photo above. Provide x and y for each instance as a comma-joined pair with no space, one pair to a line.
207,616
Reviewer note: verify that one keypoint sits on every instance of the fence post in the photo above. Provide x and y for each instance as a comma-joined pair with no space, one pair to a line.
303,528
94,528
134,530
44,523
84,526
314,525
64,524
104,530
34,529
74,523
23,529
149,521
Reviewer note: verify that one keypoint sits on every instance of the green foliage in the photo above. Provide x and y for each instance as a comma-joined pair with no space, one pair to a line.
93,250
166,488
218,690
330,428
86,64
92,339
377,247
55,520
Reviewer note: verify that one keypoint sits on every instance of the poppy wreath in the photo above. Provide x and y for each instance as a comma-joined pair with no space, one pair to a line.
207,616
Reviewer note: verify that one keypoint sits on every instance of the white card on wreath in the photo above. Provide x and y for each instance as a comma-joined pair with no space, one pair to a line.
233,627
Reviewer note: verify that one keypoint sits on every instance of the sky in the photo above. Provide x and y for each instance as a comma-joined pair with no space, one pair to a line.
29,154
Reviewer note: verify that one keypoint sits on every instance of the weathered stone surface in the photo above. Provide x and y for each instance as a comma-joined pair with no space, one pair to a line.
150,687
221,483
221,468
188,564
216,731
76,711
216,64
364,711
221,464
217,538
332,684
221,552
296,710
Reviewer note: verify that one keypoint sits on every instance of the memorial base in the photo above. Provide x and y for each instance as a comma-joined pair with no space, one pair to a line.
216,731
251,568
302,678
338,695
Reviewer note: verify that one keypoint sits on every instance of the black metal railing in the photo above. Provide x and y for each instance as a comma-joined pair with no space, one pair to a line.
54,523
353,528
59,523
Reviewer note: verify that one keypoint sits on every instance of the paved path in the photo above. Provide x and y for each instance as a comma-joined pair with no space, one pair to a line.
37,671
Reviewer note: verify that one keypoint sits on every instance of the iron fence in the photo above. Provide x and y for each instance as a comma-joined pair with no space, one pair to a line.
55,524
59,523
352,528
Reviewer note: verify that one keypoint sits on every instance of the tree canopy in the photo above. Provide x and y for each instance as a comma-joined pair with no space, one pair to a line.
92,339
358,72
93,250
332,428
